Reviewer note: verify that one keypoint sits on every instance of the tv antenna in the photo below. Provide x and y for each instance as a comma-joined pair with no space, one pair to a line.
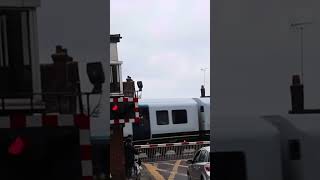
300,27
204,75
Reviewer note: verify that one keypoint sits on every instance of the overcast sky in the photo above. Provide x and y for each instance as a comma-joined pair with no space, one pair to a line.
165,44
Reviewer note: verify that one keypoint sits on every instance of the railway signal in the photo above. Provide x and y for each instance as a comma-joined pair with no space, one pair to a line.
122,110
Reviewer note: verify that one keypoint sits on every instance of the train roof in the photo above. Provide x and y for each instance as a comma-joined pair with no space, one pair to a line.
305,123
204,100
242,127
166,101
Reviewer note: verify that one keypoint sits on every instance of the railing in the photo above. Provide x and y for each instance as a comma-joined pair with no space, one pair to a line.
172,151
60,102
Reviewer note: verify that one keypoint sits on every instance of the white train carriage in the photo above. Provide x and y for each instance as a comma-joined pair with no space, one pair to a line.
162,118
245,148
204,113
300,135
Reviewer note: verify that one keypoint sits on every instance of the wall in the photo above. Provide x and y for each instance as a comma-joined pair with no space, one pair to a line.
255,53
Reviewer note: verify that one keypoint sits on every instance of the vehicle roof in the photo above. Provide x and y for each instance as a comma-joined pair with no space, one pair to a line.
207,148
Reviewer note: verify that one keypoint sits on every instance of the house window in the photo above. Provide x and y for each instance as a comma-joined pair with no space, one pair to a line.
115,79
179,116
15,51
162,117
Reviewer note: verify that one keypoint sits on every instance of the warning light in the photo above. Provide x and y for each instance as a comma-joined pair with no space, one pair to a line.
17,146
115,108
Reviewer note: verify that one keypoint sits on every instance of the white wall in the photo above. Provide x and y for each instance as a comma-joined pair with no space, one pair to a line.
81,27
113,52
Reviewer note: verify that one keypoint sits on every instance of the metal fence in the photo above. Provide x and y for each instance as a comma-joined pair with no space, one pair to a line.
62,102
172,151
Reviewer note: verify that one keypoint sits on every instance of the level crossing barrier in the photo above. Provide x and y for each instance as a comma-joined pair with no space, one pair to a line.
169,151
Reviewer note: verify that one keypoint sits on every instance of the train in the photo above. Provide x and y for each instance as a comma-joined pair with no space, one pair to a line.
171,120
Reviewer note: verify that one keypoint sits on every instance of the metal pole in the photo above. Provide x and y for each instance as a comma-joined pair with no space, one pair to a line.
301,46
204,75
300,26
88,104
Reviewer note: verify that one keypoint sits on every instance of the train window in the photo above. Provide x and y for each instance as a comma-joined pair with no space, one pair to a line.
162,117
15,52
201,109
294,149
115,78
179,116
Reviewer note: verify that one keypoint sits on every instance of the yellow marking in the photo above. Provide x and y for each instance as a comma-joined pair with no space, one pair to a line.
153,171
156,164
174,170
163,170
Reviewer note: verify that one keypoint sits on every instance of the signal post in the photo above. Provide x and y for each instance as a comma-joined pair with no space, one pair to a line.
123,109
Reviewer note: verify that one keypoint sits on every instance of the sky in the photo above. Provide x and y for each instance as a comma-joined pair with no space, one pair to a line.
165,44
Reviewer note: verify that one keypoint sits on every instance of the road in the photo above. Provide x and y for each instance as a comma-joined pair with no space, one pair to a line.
167,170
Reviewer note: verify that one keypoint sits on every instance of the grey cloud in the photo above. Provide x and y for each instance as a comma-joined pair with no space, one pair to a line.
164,43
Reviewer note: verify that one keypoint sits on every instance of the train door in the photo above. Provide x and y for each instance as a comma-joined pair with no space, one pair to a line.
142,130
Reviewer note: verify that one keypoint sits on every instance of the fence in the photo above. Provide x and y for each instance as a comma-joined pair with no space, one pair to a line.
62,102
171,151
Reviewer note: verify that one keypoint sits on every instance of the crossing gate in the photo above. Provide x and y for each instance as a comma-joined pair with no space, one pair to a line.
80,121
171,151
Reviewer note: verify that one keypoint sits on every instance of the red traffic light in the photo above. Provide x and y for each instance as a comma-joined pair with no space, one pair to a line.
115,108
17,146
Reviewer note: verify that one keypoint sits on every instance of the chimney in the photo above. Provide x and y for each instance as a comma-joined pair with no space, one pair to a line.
128,87
203,91
297,95
61,55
